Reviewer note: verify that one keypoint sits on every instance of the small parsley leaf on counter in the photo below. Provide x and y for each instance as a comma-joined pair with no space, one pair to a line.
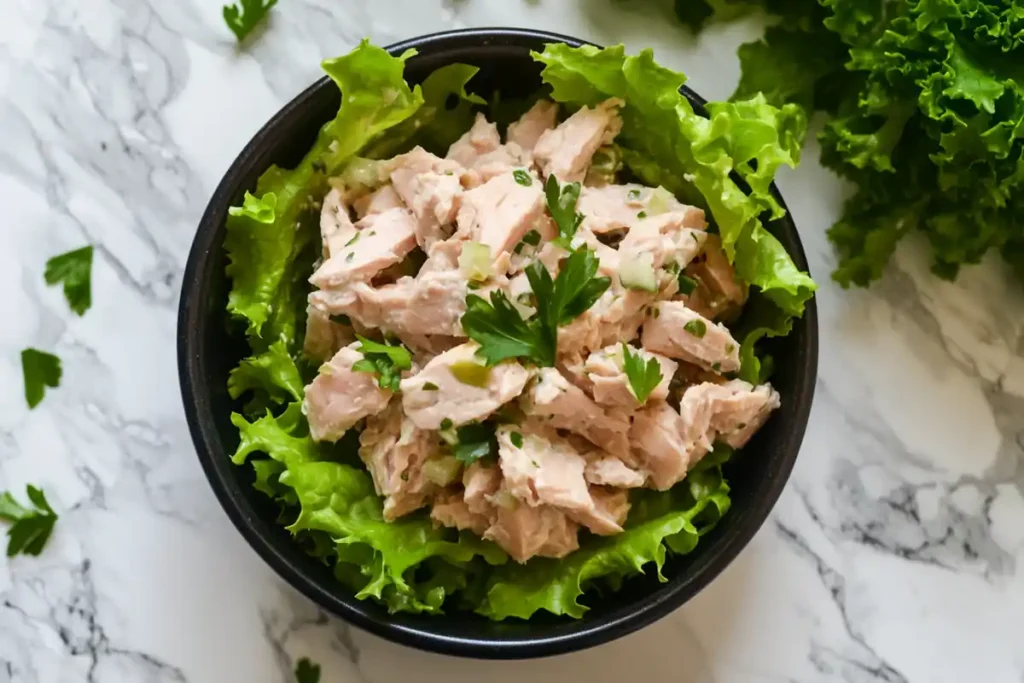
40,370
31,527
246,15
74,269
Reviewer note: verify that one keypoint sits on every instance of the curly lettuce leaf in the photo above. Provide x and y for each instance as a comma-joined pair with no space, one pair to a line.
750,138
658,522
272,239
272,376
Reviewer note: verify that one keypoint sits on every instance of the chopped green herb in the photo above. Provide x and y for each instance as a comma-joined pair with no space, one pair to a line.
535,463
517,439
244,16
562,207
716,366
522,177
672,268
519,248
697,328
31,527
39,370
405,476
643,377
349,257
686,284
503,333
633,194
307,672
476,440
354,239
532,238
386,361
730,347
74,269
446,423
642,214
429,386
371,233
472,284
341,319
657,312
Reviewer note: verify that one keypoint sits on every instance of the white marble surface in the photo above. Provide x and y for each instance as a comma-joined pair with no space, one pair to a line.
892,556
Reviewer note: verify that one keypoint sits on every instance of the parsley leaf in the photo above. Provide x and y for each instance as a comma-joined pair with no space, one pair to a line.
384,360
475,440
74,269
31,527
307,672
40,370
697,327
643,377
243,17
562,207
500,329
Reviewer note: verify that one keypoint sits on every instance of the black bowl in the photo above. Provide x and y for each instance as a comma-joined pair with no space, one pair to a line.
206,352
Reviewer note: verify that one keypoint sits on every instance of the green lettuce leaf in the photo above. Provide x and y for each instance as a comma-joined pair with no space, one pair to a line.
272,239
658,522
272,376
750,138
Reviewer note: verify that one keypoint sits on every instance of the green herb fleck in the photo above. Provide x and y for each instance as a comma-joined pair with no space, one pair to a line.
476,440
642,214
562,207
532,238
31,527
522,177
307,672
429,386
386,361
716,366
74,269
354,239
686,284
39,370
349,256
446,423
633,194
697,328
517,439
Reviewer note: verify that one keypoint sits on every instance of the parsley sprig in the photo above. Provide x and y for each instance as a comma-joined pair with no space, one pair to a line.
307,672
246,15
501,331
39,370
386,361
643,377
74,270
31,527
562,207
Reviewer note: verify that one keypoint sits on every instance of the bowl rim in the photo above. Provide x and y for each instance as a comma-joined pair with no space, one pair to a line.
222,474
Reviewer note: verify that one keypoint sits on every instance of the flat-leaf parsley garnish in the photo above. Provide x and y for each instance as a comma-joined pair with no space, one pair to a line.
74,269
40,370
502,333
31,527
246,15
383,360
562,207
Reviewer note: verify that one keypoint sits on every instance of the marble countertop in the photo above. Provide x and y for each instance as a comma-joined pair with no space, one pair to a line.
892,556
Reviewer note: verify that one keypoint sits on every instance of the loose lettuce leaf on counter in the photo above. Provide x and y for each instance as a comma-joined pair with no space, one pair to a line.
658,521
749,137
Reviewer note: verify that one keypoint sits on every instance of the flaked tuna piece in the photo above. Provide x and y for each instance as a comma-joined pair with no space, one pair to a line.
505,159
378,201
450,509
719,293
382,240
524,531
610,384
678,332
323,336
607,470
426,346
500,212
573,368
480,482
612,207
740,409
541,118
339,396
435,395
560,404
480,139
336,226
675,237
429,304
431,187
394,451
567,150
608,513
617,314
657,437
542,469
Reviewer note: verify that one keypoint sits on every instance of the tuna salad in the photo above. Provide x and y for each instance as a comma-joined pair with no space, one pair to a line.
498,358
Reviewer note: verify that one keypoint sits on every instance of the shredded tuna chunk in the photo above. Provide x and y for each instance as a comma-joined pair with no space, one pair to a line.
524,531
527,131
394,451
678,332
500,212
381,240
567,150
339,396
